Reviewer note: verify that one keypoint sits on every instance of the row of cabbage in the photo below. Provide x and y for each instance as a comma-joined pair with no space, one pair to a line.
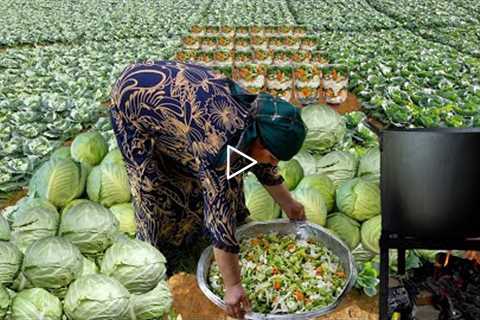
430,13
49,21
248,12
72,238
340,15
49,95
453,23
405,80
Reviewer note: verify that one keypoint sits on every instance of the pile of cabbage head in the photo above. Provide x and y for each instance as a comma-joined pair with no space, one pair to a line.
337,183
335,176
68,249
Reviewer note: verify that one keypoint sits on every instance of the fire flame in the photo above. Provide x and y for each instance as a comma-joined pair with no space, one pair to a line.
474,256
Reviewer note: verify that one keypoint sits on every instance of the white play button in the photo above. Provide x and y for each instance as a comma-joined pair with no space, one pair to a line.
231,149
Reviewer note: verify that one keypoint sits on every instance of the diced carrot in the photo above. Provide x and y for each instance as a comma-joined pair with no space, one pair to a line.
255,242
340,274
277,285
299,296
274,271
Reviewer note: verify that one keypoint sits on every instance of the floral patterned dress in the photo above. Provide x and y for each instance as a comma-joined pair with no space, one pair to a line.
171,121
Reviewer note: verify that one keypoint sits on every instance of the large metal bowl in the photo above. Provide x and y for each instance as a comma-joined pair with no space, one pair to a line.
303,230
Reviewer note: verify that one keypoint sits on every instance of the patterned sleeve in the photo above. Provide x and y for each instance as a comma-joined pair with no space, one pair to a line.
220,208
267,174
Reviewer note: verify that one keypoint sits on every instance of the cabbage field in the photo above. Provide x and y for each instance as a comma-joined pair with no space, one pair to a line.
410,63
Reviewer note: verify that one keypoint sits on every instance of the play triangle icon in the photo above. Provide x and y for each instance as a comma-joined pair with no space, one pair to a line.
231,149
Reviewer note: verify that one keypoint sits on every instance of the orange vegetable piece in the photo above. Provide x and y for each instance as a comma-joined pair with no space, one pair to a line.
277,285
255,242
299,296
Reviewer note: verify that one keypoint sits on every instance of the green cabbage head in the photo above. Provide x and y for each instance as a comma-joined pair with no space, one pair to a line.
89,148
89,226
369,167
291,172
62,153
260,203
4,302
114,156
315,207
339,166
59,181
36,303
4,229
359,199
108,184
321,184
36,219
345,228
89,267
308,162
136,264
153,304
21,283
97,296
10,262
325,128
370,234
52,263
125,214
249,182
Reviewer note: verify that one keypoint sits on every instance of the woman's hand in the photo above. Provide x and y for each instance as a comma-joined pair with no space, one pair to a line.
235,297
294,210
237,301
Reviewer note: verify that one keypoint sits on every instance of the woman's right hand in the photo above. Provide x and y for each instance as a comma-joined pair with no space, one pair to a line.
235,297
237,301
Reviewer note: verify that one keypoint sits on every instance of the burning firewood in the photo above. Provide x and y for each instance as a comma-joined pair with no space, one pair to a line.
473,256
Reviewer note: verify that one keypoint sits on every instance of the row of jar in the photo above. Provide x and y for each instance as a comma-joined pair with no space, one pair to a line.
231,31
249,43
275,57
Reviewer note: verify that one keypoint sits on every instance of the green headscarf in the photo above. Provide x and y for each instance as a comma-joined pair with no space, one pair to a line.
280,126
277,123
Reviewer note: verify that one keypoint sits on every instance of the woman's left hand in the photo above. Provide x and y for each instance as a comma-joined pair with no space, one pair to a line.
294,210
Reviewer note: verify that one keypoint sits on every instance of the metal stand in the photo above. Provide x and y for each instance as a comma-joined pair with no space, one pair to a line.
391,241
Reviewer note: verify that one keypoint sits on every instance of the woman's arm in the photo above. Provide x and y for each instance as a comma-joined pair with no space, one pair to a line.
272,181
229,267
281,195
235,298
